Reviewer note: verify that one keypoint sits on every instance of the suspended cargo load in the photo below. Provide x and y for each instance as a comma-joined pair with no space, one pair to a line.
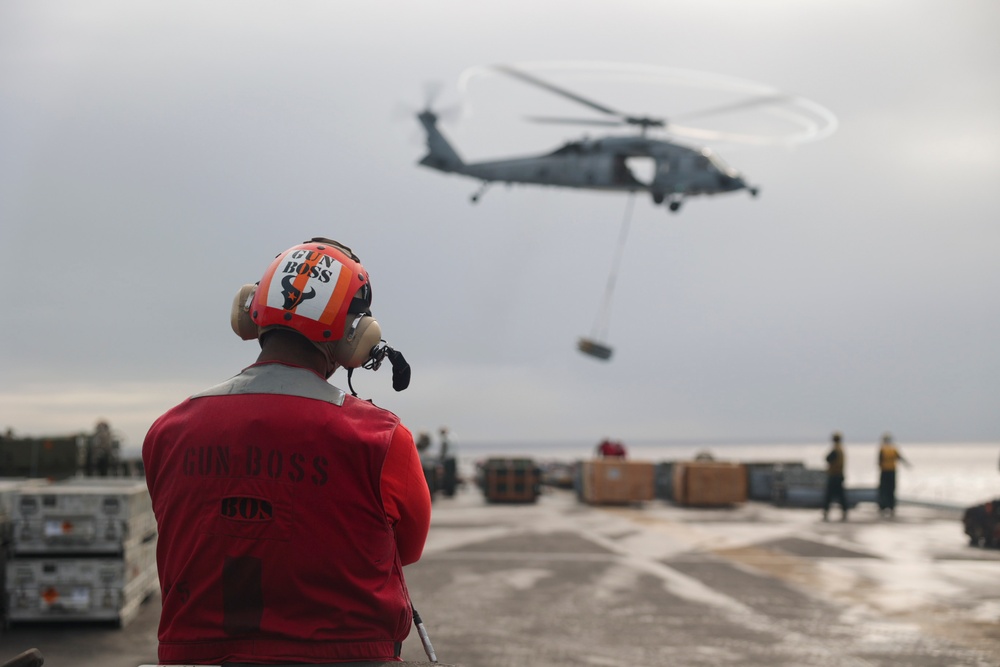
82,517
709,483
594,349
86,588
616,482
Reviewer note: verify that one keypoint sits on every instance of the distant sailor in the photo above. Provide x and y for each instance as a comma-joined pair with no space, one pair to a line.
888,457
611,449
835,460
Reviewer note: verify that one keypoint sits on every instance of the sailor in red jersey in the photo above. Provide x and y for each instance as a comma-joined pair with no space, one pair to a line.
287,508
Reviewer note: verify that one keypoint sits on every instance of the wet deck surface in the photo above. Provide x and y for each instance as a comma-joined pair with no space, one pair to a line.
560,583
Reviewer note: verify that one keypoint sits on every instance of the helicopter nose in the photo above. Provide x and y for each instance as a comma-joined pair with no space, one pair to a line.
729,182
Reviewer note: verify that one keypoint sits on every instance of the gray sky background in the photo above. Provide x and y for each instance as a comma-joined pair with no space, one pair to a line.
154,156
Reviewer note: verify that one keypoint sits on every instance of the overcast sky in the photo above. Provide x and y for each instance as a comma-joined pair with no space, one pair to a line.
154,156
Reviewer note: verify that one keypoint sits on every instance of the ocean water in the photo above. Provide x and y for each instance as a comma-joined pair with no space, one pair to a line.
959,474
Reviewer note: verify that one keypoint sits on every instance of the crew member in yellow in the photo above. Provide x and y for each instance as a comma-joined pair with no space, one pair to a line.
835,477
888,457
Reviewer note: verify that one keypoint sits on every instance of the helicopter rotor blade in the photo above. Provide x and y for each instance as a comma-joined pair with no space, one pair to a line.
759,100
528,78
575,121
644,122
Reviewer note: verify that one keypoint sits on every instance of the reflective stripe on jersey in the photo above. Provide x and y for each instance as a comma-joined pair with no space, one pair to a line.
277,378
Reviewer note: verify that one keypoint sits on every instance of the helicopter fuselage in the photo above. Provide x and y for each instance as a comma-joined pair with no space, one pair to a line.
666,169
609,164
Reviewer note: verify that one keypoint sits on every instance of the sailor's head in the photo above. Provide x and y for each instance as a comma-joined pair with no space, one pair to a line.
319,290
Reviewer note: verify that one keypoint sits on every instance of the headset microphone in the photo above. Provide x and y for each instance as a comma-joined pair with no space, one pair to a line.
400,367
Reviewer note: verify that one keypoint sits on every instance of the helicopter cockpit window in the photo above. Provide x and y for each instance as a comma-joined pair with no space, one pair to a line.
571,148
715,161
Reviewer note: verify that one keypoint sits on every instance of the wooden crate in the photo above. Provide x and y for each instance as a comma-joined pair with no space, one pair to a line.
617,482
709,483
513,480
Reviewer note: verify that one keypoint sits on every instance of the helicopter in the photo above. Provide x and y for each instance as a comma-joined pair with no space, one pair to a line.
679,172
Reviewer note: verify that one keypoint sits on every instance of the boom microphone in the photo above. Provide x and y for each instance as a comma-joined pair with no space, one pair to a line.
400,369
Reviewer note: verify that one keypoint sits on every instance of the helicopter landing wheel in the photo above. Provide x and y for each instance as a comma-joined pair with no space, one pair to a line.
674,205
479,193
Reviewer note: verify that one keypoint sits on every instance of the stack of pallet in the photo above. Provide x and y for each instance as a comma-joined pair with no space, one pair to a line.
82,550
8,494
511,480
616,482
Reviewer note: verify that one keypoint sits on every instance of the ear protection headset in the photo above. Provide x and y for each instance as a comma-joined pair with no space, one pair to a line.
361,337
362,332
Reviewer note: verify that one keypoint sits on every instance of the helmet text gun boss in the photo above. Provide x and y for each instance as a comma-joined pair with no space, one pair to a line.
320,290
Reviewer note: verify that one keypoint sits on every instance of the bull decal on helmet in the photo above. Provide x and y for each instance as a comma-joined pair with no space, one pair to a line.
293,295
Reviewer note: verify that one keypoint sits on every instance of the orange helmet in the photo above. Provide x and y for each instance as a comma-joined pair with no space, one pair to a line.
311,288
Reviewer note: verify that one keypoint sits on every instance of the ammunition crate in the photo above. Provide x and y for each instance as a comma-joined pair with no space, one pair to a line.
87,588
616,482
709,483
511,480
82,517
55,458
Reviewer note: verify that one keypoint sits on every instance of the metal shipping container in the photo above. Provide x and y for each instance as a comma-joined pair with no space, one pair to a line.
664,480
761,477
82,516
511,480
806,487
88,588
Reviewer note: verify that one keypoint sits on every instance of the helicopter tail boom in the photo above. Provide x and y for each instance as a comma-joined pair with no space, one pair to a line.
440,154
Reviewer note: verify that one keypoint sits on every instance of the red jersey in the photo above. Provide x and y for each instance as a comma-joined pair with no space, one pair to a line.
286,510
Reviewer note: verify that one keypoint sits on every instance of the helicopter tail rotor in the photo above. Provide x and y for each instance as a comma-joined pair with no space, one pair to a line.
432,91
431,94
446,114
